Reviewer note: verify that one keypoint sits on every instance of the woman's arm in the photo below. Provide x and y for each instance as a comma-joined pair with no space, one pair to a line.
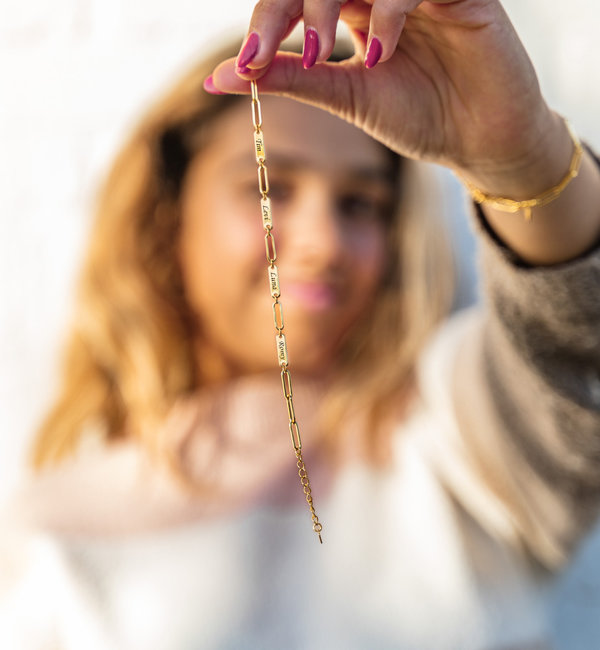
525,388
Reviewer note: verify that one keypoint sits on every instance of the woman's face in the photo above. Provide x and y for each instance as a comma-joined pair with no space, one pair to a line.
330,189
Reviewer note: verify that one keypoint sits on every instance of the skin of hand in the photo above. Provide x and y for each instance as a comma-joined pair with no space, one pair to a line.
452,85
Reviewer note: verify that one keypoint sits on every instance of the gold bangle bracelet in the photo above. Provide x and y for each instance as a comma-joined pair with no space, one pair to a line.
509,205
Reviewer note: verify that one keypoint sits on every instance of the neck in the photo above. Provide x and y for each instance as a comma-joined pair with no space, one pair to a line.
213,367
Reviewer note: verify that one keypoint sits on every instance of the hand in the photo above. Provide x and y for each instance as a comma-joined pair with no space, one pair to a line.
453,84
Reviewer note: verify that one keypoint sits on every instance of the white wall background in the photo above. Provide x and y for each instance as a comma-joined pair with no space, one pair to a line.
73,76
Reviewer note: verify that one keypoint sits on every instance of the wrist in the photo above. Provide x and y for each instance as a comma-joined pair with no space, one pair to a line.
506,204
539,162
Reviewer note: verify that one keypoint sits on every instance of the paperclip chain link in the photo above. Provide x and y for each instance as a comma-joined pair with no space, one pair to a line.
273,275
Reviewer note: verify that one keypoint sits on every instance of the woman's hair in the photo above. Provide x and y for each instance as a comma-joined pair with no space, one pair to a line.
129,355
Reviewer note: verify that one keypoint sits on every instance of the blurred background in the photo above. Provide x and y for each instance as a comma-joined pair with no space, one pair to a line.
75,74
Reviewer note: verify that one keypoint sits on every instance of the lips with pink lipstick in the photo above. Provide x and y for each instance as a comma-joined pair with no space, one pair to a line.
312,295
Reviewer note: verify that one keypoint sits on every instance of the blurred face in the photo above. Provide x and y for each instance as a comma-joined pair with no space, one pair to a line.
330,189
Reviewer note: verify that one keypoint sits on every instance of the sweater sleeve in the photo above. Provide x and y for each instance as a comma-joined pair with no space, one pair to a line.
523,390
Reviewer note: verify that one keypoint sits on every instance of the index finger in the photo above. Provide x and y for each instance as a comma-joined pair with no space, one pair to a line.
271,22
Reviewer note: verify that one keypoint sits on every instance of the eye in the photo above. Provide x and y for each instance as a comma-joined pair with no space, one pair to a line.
280,190
360,206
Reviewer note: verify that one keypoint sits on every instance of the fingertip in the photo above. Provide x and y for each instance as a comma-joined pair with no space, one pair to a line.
325,50
209,86
386,26
227,79
248,50
320,22
310,51
242,70
374,52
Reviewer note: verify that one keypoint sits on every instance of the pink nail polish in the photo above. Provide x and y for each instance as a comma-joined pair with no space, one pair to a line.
248,51
311,48
242,69
210,87
373,53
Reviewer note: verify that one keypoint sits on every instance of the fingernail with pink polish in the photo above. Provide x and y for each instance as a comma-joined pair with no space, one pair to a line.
248,51
373,53
210,87
311,48
242,69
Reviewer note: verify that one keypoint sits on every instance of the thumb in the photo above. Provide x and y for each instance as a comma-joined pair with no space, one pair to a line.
328,85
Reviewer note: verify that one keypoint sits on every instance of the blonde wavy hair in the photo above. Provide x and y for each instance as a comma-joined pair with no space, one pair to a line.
129,353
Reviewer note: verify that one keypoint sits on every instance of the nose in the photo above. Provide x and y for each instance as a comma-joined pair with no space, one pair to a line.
314,235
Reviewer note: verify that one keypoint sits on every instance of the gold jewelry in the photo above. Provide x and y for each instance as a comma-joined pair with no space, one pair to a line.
273,276
509,205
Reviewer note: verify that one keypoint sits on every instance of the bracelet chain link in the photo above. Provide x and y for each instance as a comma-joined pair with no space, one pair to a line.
273,277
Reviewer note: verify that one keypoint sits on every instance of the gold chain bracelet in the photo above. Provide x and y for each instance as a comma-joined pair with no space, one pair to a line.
273,277
510,205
